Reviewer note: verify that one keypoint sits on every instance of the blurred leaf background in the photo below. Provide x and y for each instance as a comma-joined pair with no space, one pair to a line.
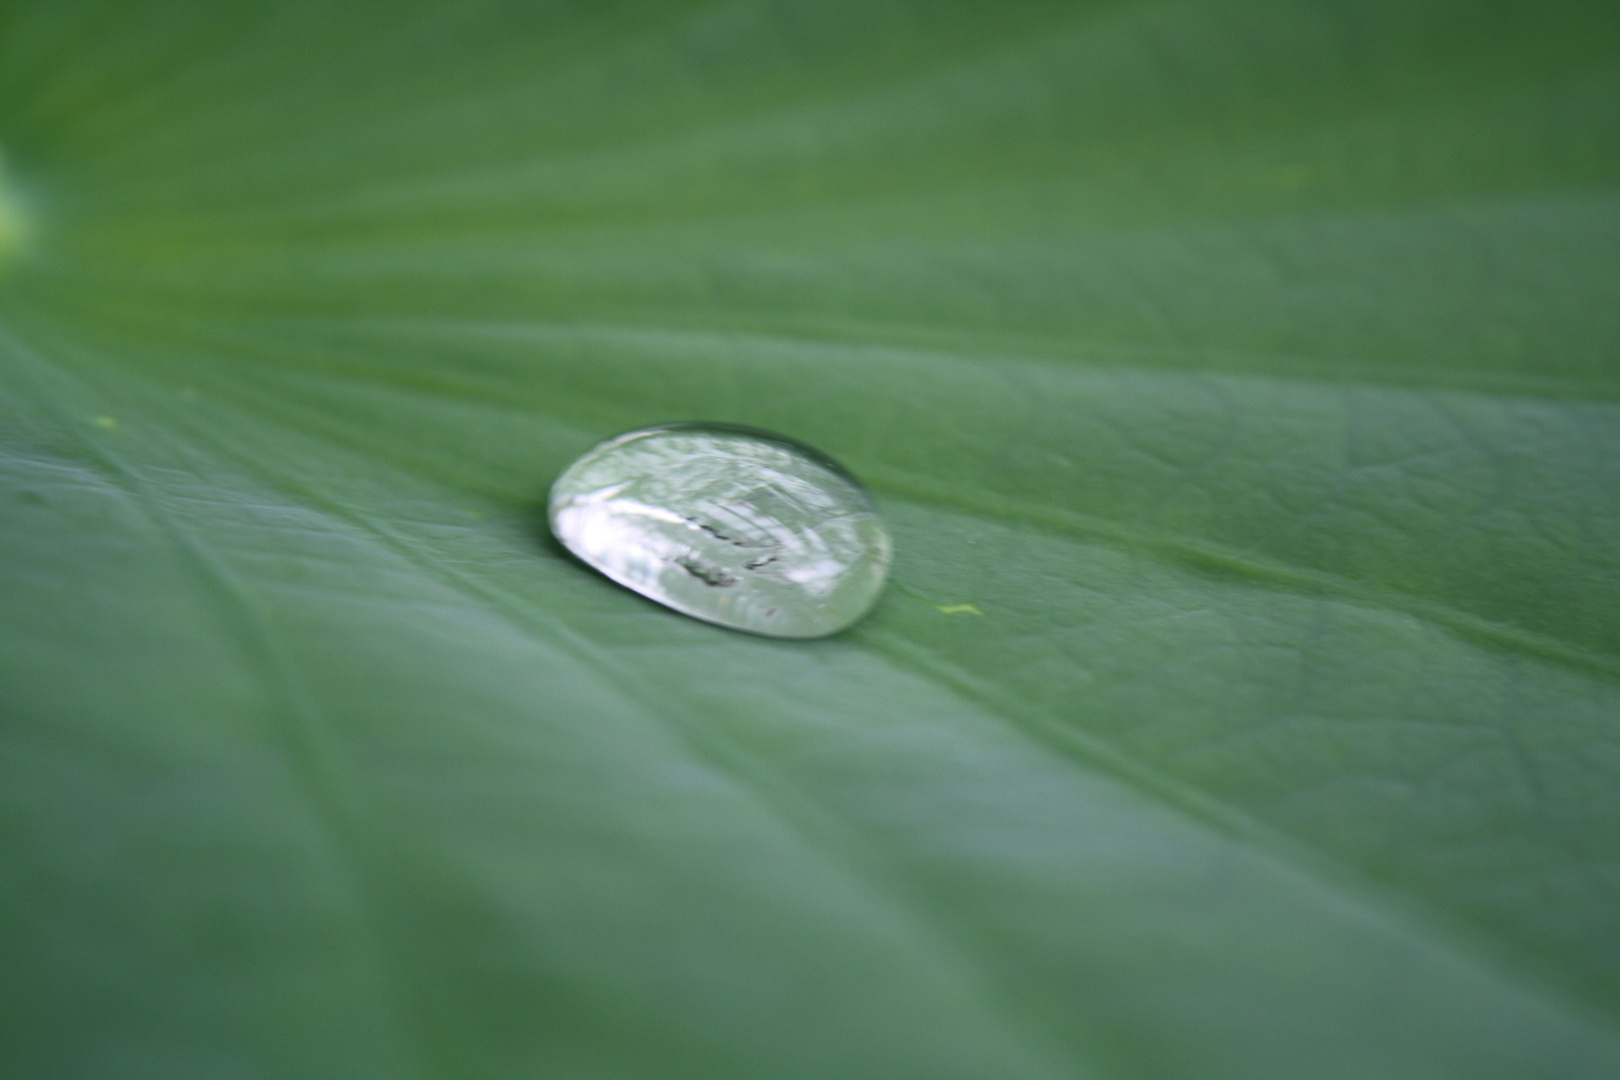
1240,382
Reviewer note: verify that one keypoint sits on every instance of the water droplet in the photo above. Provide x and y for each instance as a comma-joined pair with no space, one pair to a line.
728,524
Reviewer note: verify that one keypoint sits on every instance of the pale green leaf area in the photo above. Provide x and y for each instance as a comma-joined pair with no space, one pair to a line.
1241,382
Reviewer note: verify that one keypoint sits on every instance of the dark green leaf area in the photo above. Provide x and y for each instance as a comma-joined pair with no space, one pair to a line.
1239,381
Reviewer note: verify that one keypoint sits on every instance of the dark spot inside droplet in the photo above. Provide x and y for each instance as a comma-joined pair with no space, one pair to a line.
712,531
756,564
728,538
709,575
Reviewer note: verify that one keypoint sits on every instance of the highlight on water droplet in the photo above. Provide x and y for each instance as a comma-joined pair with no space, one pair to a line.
728,524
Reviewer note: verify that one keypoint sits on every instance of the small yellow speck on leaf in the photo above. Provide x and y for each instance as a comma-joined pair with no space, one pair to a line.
958,609
107,422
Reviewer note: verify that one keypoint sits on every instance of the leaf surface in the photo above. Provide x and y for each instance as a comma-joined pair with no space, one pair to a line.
1238,379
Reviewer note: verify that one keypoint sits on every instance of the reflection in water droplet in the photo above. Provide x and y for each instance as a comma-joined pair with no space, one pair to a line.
728,524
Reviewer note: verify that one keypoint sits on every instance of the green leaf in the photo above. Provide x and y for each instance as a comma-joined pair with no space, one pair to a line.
1240,381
